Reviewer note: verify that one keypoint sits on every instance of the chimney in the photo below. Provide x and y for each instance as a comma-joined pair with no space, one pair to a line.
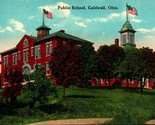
63,31
117,42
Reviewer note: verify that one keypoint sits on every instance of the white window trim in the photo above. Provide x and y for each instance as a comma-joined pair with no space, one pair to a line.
36,47
32,51
63,43
7,56
35,66
25,60
25,49
47,72
25,41
49,42
19,55
50,45
14,58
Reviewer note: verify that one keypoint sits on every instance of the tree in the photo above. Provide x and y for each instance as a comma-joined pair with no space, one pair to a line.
145,68
153,72
111,57
66,66
14,78
38,86
138,65
129,64
91,61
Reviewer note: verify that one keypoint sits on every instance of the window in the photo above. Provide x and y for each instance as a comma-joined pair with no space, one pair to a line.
48,48
25,44
124,39
18,55
26,70
25,56
63,42
131,38
47,69
37,52
6,61
14,59
32,51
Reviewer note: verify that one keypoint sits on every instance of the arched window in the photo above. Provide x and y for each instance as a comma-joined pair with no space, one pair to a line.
25,43
26,70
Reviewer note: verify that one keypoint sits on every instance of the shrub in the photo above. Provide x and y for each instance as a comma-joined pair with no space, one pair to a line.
14,77
39,87
11,92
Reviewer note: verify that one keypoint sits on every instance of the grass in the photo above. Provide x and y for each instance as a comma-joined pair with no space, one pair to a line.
125,106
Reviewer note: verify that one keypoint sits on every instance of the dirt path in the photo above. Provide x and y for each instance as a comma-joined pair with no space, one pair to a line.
152,122
91,121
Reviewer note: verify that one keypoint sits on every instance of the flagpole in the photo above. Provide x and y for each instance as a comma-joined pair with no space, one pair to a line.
43,18
127,12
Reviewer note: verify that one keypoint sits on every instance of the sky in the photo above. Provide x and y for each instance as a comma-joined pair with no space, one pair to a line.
20,17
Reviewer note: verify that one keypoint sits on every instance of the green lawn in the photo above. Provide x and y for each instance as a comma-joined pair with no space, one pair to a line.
125,106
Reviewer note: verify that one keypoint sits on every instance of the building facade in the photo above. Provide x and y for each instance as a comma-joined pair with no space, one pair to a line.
31,50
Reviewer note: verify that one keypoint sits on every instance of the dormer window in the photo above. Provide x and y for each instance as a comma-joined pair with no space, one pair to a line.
25,44
63,43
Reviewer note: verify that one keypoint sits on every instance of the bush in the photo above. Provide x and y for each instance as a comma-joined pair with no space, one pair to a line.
25,97
14,77
39,87
11,92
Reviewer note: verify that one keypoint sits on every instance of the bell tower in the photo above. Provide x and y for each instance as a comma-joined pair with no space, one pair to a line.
127,34
42,31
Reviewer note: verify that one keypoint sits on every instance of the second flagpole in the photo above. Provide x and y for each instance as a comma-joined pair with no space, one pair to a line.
43,17
127,12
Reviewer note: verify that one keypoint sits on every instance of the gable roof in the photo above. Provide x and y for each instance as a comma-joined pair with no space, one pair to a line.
62,34
43,27
9,50
127,27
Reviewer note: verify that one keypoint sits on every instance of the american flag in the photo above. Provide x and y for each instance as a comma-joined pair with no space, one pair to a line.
132,10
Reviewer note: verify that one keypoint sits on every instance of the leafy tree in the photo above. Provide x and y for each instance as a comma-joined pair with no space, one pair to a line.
153,72
66,66
14,78
91,61
111,57
138,65
38,86
129,64
145,68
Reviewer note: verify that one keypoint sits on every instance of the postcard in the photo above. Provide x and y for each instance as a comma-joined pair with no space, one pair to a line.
30,31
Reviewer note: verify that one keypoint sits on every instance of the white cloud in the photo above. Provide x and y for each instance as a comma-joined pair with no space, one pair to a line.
9,28
88,20
100,19
109,17
17,25
113,15
61,24
62,13
81,24
2,29
149,37
136,20
31,17
143,30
